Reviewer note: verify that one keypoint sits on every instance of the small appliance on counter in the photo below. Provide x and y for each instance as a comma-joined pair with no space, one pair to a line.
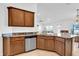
65,33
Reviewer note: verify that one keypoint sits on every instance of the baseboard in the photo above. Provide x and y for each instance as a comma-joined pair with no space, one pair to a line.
30,50
1,53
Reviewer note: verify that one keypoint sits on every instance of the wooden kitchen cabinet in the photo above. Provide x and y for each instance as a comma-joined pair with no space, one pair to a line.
59,47
16,45
45,42
20,18
13,46
40,43
63,46
49,43
16,17
19,45
29,19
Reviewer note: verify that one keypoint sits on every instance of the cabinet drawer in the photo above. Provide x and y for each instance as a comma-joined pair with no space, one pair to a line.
60,39
12,39
19,38
45,37
49,37
40,36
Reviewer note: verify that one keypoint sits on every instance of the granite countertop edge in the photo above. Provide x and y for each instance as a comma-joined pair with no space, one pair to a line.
37,35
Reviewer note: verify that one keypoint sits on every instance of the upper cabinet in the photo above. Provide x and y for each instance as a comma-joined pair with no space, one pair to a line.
20,18
29,19
16,17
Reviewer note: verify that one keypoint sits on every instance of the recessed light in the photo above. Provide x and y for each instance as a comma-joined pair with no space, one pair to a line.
67,3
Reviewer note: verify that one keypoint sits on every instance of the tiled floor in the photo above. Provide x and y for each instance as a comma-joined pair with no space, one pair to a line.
39,53
75,49
48,53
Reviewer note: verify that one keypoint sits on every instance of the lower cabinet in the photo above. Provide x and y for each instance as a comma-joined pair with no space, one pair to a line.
40,43
19,45
45,42
16,45
59,47
49,44
63,46
13,46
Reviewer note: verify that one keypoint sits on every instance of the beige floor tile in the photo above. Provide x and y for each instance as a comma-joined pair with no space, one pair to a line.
48,53
39,53
75,49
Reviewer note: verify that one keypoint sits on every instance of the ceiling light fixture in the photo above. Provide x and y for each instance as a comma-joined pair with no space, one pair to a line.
77,17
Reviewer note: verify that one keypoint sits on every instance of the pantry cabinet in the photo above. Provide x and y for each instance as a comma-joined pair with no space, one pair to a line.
20,18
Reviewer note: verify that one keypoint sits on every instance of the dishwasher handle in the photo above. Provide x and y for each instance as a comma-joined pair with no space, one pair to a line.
31,36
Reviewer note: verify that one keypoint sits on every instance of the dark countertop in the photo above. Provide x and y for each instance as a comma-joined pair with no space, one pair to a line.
35,34
61,36
19,34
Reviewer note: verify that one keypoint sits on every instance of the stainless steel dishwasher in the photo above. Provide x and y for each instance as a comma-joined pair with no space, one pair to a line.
30,43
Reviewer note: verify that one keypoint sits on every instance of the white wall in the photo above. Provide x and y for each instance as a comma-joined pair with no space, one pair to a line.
4,20
57,14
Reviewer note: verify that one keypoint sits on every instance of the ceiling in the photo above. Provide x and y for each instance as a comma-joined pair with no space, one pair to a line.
57,11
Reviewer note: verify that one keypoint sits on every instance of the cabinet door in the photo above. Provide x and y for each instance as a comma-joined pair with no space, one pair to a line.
49,44
19,48
19,45
16,17
29,19
6,47
12,46
59,47
40,43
